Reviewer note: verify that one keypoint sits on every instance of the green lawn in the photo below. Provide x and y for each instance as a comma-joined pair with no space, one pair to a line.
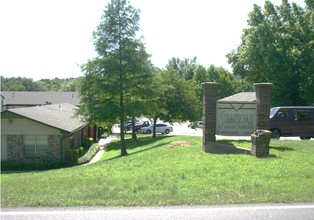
171,171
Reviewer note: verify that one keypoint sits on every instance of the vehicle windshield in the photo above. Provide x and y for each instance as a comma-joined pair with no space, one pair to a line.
273,111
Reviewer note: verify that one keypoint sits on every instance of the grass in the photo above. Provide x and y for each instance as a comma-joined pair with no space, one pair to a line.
171,171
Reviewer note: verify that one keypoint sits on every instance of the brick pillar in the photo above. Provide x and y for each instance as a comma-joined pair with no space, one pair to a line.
263,98
210,97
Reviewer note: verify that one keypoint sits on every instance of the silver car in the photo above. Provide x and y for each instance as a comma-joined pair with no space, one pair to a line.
160,128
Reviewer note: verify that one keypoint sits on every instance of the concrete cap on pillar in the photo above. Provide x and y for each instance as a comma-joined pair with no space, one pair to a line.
262,84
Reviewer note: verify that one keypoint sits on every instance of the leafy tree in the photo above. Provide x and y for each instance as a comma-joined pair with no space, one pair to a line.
278,47
18,84
228,83
158,105
27,84
184,68
115,79
181,100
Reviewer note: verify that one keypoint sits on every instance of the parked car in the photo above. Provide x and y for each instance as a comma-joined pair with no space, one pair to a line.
199,124
292,121
160,128
138,125
128,126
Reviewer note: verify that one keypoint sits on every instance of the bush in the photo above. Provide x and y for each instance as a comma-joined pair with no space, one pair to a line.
28,166
74,154
81,151
89,154
105,135
87,143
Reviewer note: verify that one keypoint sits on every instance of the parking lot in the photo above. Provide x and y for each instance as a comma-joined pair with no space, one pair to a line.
184,129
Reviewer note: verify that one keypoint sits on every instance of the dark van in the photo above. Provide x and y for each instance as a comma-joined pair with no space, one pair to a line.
292,121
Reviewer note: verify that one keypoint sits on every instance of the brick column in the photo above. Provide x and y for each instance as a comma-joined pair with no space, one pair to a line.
210,97
263,98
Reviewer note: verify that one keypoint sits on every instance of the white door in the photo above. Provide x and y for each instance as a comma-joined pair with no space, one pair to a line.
4,147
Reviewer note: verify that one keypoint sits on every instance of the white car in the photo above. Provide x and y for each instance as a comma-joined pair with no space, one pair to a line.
160,128
199,124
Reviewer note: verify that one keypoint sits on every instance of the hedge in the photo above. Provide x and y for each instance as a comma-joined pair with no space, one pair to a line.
89,154
27,166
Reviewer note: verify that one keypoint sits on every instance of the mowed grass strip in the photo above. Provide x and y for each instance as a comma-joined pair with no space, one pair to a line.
171,170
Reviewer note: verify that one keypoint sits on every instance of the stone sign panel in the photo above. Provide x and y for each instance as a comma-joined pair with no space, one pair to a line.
236,118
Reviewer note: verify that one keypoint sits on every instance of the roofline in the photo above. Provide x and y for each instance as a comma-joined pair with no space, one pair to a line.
293,106
79,128
62,130
222,101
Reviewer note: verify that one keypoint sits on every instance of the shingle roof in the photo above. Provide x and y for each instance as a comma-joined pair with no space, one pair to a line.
39,98
240,97
60,116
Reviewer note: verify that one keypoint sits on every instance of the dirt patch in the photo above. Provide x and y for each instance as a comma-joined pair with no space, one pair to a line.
179,144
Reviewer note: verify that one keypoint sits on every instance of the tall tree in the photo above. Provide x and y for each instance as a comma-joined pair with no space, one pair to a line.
113,79
228,83
158,105
180,97
278,47
183,67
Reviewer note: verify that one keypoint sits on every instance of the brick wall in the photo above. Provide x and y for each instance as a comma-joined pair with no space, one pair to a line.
15,144
263,99
54,146
210,97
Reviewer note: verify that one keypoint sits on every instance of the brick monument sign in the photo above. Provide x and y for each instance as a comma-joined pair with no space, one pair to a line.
260,138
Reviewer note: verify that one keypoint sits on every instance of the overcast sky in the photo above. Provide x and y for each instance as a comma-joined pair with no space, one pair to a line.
52,38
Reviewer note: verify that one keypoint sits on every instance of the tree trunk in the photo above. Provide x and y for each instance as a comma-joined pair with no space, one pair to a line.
122,129
133,129
154,127
122,139
121,82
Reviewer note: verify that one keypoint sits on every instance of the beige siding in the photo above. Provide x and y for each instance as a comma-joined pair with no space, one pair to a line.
14,128
21,126
4,147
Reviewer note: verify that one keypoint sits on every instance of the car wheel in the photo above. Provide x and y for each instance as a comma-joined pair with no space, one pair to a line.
167,131
305,138
275,134
148,131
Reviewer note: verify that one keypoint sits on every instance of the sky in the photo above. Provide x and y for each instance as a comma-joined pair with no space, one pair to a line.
52,38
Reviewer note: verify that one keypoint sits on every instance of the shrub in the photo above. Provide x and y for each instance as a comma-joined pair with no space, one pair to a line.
87,143
89,154
81,151
74,154
28,166
105,135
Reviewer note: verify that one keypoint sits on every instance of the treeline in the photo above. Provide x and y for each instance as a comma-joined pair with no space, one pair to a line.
197,74
187,69
28,84
278,47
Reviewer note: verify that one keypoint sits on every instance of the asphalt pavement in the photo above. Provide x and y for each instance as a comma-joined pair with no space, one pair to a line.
233,212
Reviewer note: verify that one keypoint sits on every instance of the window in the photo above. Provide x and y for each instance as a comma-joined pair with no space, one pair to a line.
302,115
35,146
283,113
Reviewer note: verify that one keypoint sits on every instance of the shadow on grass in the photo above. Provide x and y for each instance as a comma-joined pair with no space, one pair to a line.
137,143
246,147
282,148
131,144
240,142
